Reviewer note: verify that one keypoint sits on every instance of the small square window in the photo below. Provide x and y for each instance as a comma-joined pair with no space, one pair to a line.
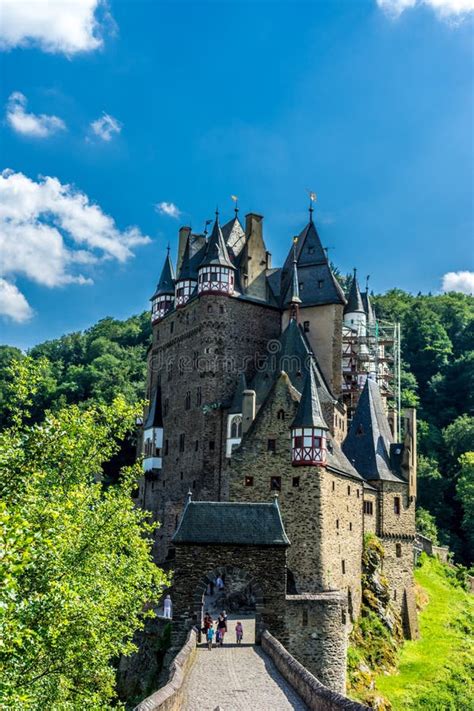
196,445
334,486
212,445
275,483
350,526
296,481
396,505
348,491
398,550
171,326
337,523
320,283
271,445
343,566
306,326
249,481
221,309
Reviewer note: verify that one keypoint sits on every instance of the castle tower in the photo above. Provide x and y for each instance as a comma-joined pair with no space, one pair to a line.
216,271
354,311
163,298
322,302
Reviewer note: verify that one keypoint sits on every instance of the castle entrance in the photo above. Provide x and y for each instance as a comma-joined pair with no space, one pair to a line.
236,593
244,545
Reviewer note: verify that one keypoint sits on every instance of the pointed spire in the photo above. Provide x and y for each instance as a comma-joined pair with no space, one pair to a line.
309,413
154,418
354,300
312,200
367,303
236,204
166,282
295,289
216,253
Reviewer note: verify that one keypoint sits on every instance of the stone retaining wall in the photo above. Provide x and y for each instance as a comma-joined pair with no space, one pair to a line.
170,697
316,696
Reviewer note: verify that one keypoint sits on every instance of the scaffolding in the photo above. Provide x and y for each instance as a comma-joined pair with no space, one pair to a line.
372,351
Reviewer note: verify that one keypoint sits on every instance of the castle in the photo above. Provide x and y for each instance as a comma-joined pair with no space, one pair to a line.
254,392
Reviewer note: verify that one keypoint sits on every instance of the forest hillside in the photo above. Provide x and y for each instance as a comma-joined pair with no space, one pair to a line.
109,359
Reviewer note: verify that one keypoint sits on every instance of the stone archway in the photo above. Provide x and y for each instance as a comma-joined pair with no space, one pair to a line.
246,578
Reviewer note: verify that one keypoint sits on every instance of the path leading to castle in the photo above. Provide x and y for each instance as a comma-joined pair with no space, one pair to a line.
238,677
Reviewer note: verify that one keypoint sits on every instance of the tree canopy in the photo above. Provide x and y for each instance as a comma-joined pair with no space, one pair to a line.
76,567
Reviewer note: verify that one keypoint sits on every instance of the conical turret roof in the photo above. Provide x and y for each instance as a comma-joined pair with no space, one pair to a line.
216,253
309,413
367,444
155,416
320,286
354,300
166,282
236,404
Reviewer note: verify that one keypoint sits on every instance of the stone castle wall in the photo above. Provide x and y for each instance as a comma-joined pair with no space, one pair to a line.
196,357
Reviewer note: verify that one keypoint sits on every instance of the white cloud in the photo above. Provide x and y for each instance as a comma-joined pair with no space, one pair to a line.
106,126
48,230
453,10
64,26
12,303
459,281
37,125
168,208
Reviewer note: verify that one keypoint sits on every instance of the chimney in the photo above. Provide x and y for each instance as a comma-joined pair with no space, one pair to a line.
253,225
248,409
183,235
410,454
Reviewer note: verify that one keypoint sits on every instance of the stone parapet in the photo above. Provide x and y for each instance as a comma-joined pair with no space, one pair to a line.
170,697
316,696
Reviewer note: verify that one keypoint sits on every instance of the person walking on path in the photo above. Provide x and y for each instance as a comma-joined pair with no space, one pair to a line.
167,607
219,583
221,629
239,632
210,637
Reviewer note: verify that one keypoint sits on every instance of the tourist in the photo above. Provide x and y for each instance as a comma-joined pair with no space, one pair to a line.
207,622
219,583
221,629
167,607
239,632
210,637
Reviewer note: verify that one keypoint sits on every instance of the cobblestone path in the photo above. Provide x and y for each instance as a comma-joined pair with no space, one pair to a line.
238,678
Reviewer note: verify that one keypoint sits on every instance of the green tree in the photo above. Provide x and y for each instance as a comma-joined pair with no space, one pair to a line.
465,495
76,569
425,343
426,524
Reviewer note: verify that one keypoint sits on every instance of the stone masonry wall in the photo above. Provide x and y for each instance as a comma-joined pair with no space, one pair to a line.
322,519
316,634
316,696
197,355
170,697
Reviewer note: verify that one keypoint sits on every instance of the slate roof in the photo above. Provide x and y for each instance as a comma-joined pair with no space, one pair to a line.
354,300
166,282
309,413
154,417
368,441
216,253
231,523
234,236
319,285
236,404
186,271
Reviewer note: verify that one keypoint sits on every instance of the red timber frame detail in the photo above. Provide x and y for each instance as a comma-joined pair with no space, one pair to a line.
184,290
308,446
160,307
216,280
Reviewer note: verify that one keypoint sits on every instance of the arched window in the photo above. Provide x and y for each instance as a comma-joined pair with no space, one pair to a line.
236,427
281,414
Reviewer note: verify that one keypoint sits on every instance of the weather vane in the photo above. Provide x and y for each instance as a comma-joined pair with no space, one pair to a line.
236,201
312,200
206,225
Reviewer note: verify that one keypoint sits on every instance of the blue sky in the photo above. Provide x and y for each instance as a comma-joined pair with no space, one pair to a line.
187,103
